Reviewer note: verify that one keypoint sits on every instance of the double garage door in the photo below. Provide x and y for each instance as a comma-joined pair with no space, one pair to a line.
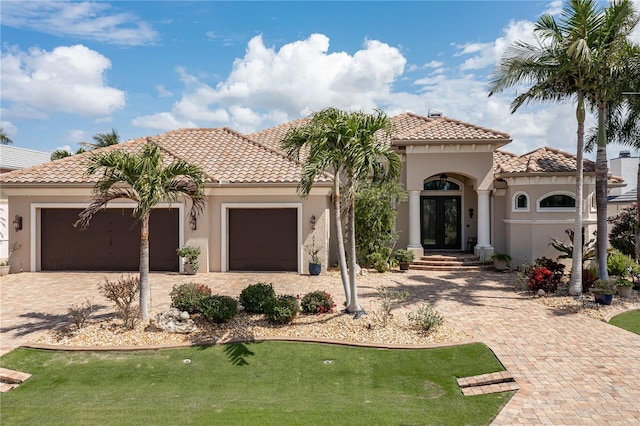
263,239
110,243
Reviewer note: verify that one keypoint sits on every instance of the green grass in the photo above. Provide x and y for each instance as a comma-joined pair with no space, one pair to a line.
269,383
629,321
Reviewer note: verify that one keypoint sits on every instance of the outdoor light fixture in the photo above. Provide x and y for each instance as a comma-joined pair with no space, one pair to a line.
443,180
17,223
471,213
193,222
312,222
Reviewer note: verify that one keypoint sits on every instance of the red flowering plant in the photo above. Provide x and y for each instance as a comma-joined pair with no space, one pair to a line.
317,302
542,278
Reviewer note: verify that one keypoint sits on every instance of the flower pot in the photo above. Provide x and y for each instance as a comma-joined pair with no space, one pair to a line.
315,268
4,270
500,264
625,291
188,269
404,266
603,299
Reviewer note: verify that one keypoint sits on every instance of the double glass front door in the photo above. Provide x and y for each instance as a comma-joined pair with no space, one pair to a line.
440,222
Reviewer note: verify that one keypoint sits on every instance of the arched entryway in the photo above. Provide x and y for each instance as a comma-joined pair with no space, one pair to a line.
441,213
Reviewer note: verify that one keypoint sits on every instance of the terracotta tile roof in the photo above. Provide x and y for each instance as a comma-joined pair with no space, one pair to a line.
410,127
541,160
222,153
271,137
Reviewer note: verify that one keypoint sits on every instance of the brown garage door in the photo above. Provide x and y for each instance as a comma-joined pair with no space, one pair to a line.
263,240
110,243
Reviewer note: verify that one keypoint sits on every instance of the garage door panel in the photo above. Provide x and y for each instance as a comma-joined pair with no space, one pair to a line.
110,243
263,240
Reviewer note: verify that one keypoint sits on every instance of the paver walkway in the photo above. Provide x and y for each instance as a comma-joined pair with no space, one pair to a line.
571,369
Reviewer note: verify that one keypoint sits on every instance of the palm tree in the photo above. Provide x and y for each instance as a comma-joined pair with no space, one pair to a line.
608,58
102,140
557,69
4,139
59,153
354,147
142,177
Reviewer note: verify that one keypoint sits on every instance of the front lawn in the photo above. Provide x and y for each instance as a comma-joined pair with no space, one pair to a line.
255,383
629,321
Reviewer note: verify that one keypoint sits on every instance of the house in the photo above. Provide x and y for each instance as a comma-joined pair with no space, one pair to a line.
14,158
465,192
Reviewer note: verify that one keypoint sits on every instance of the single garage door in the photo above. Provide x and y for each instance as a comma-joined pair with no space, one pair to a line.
263,240
110,243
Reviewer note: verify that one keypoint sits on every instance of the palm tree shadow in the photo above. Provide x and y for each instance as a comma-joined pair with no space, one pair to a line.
238,353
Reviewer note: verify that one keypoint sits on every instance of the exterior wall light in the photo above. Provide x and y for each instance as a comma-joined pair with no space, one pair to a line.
312,222
193,222
471,213
17,223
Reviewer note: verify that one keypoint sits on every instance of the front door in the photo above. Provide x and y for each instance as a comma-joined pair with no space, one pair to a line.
440,222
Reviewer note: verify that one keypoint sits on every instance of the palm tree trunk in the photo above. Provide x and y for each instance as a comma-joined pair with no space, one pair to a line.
144,269
354,306
601,195
342,261
575,287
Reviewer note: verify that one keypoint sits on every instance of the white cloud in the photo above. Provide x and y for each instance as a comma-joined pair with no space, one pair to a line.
68,79
553,8
161,121
77,135
300,76
86,20
162,91
9,129
64,148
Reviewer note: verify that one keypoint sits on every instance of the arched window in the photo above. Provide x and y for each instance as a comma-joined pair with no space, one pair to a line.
436,185
557,201
521,202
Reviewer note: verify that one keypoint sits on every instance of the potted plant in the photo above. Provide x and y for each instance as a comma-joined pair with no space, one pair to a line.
624,287
4,267
603,292
404,258
190,255
315,262
501,261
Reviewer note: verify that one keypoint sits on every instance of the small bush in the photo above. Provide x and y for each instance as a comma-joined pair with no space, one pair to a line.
124,294
255,296
555,267
542,278
387,300
426,318
619,263
317,302
380,261
80,313
218,309
282,309
187,297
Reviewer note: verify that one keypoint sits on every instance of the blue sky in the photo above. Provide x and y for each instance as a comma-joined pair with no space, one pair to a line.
74,69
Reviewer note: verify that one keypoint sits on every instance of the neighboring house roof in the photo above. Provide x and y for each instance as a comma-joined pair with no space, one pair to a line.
225,156
272,136
627,197
409,127
14,158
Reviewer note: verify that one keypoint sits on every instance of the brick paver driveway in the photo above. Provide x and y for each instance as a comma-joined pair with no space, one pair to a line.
571,369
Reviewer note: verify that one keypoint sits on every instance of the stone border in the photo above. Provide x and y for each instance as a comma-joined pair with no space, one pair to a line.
230,341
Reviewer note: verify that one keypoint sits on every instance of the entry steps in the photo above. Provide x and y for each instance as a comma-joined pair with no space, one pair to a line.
501,381
449,261
10,379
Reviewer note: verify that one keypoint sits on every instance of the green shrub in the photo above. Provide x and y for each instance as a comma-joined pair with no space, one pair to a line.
282,309
218,309
254,297
187,297
619,263
380,260
426,318
317,302
123,293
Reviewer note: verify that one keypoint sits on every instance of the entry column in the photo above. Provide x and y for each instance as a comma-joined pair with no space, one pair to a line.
483,249
415,245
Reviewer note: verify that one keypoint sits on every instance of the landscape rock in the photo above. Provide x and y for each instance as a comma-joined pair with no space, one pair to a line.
173,321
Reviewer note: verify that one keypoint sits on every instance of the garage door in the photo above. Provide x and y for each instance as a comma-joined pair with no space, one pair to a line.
110,243
263,240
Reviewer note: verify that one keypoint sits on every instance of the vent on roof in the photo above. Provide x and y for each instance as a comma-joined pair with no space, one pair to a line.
434,113
625,154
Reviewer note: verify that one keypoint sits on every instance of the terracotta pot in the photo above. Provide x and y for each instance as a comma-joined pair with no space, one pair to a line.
625,291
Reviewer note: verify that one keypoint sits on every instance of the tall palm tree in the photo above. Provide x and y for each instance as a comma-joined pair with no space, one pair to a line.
142,177
354,147
608,58
4,139
102,140
556,70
